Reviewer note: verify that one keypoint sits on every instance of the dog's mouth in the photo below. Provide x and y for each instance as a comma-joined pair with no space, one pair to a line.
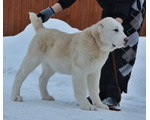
124,45
113,45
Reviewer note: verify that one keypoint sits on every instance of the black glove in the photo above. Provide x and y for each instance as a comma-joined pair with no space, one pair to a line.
46,14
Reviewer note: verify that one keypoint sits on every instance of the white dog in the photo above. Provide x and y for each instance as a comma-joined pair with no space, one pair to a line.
81,55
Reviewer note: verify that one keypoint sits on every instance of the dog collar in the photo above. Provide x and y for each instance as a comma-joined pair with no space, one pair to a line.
94,41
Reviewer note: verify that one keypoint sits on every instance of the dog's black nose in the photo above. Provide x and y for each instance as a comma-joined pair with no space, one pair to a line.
126,40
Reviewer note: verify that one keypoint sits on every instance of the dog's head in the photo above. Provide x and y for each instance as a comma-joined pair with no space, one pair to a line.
110,32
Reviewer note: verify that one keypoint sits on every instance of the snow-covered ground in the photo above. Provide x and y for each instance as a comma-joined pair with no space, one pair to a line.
133,104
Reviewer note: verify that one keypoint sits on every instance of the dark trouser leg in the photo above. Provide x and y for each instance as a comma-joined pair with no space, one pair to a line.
124,58
108,86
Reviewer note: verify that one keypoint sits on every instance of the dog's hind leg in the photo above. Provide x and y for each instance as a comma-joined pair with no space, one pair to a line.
29,63
43,80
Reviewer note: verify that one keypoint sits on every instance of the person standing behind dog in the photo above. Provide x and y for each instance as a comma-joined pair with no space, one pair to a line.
129,13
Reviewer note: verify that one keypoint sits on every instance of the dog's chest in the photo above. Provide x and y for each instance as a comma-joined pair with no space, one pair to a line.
96,64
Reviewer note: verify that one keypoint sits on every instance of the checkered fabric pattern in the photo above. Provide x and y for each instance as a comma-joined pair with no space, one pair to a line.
133,30
124,57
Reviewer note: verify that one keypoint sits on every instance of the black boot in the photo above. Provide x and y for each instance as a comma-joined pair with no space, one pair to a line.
108,101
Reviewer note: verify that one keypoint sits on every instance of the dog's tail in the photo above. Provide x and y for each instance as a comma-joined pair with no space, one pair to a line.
36,21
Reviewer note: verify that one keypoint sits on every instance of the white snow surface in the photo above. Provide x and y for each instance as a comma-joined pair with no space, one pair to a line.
65,107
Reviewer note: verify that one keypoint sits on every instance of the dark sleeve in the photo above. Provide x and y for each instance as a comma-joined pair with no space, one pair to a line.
66,3
121,8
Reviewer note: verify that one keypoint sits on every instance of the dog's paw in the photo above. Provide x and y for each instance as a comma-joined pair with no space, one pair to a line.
16,98
88,107
48,98
102,106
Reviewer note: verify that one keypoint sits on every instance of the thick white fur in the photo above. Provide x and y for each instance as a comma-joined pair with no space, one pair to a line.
74,54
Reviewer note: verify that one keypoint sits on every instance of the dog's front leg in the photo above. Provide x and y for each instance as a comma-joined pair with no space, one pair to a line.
79,78
93,86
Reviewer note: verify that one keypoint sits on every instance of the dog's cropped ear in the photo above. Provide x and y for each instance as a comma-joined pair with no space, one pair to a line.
100,27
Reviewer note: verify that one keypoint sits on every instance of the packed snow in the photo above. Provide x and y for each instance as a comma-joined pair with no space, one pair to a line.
65,107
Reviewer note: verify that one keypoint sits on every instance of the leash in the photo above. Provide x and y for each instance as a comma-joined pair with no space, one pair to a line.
115,72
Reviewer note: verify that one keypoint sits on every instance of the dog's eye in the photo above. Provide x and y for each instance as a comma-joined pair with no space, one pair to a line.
116,30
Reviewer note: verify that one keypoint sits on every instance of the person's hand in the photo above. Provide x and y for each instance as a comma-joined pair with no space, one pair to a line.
46,14
119,20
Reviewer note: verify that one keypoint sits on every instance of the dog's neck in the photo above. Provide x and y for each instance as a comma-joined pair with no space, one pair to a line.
103,46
